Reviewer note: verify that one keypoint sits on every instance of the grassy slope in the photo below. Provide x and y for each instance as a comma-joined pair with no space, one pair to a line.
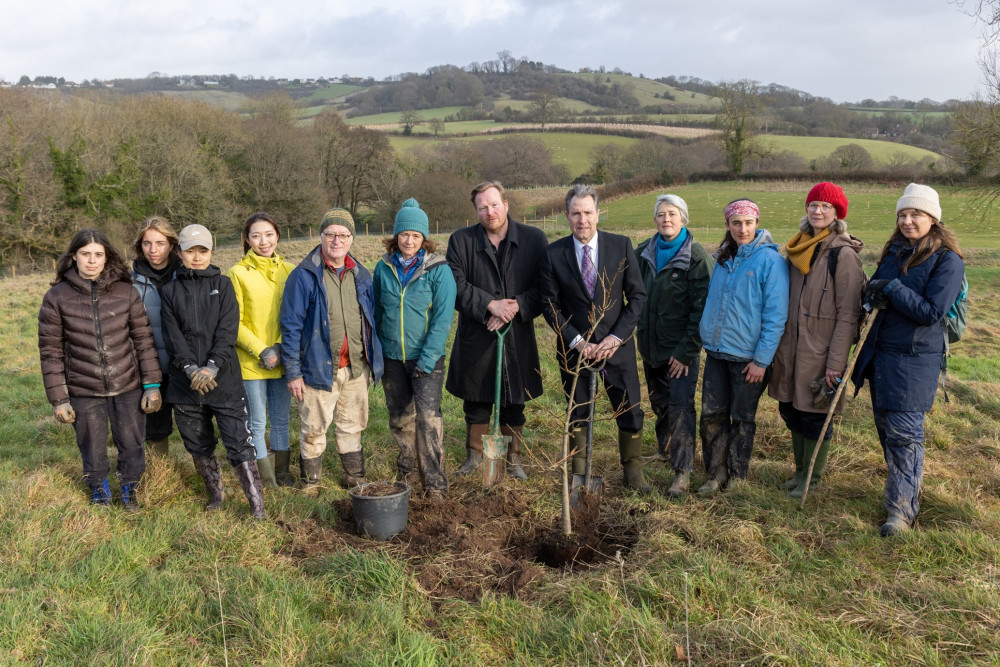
745,577
812,148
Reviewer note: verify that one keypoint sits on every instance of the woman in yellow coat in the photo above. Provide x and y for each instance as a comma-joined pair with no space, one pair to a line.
259,280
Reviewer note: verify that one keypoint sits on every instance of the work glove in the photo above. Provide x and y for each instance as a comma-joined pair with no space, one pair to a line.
874,295
417,373
270,357
203,379
822,393
151,401
64,413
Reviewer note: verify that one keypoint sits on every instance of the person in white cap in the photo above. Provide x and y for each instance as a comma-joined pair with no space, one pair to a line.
918,278
201,319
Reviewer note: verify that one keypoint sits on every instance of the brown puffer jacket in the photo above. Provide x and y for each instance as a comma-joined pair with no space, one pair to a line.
94,340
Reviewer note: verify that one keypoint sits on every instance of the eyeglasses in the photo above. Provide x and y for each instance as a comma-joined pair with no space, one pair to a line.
816,206
343,238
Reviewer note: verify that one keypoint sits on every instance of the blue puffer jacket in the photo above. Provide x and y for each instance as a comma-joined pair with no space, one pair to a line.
305,324
903,352
747,303
413,322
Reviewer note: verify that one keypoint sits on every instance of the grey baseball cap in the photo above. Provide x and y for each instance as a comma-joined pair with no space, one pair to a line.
193,235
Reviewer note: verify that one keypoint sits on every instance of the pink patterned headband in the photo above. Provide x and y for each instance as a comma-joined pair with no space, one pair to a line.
742,207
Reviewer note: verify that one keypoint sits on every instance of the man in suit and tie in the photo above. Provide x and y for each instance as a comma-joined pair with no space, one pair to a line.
592,296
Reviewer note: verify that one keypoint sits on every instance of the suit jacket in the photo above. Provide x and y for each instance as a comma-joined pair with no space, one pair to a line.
620,294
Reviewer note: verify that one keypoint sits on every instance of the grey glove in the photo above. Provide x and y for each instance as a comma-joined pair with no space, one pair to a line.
151,400
203,379
64,413
270,357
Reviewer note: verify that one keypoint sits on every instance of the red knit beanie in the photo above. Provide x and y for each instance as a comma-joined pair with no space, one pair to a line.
831,194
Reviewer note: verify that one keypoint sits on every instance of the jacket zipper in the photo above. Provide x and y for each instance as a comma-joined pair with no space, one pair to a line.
100,338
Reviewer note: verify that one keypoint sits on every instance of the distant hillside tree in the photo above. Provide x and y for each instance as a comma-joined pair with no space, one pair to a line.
737,120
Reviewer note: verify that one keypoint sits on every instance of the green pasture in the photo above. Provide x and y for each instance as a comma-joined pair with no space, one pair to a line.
572,106
568,148
645,90
815,148
392,117
333,91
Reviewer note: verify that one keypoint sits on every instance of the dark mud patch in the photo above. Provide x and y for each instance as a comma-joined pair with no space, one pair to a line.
477,543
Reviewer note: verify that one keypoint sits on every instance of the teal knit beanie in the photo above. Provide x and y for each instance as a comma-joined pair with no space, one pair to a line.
411,218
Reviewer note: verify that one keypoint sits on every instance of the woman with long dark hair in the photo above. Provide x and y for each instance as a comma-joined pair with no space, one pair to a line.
99,362
918,278
259,281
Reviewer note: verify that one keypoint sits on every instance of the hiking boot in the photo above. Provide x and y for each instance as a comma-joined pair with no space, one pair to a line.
101,496
354,469
129,501
797,445
473,448
630,451
894,525
265,467
281,474
208,468
514,469
682,481
435,496
249,476
311,470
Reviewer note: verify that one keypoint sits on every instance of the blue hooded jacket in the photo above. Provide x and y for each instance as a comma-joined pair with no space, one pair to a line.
747,303
305,324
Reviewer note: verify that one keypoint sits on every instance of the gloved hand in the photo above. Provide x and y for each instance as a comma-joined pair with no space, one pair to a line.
270,357
151,400
64,412
874,294
417,373
203,379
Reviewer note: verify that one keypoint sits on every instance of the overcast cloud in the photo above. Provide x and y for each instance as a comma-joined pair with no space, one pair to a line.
847,50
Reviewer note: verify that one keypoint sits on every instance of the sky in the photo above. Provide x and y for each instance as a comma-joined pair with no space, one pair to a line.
847,51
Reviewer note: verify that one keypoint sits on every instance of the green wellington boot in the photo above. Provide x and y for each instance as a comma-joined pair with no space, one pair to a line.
807,452
798,442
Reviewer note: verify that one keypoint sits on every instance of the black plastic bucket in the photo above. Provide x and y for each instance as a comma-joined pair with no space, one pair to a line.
381,517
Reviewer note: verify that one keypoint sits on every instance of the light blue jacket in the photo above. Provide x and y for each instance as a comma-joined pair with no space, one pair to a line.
413,322
747,303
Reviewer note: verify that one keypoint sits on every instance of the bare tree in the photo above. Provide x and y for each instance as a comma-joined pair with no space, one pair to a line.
545,107
738,119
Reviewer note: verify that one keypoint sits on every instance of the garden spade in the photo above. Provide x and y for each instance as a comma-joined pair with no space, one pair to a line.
494,444
587,480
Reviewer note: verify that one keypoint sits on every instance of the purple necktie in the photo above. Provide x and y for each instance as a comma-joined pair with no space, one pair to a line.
589,272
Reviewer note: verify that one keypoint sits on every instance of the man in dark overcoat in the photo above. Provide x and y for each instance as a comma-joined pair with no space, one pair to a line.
497,265
592,296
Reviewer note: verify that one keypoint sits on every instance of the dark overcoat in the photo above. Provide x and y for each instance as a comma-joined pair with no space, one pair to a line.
479,280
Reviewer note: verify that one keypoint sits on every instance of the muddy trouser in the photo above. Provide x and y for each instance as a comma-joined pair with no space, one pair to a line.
194,423
728,416
346,407
160,424
128,428
477,412
414,405
806,423
901,434
672,400
621,383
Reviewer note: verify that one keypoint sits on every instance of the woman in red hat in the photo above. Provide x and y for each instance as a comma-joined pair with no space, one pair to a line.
824,298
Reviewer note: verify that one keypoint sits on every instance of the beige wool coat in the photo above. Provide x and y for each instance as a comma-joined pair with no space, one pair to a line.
822,323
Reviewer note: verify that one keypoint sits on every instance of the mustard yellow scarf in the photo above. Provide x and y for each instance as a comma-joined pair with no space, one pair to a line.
802,247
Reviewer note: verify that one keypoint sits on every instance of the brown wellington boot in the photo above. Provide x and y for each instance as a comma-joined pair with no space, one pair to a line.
248,474
209,470
514,469
473,448
681,484
354,468
281,474
630,450
311,470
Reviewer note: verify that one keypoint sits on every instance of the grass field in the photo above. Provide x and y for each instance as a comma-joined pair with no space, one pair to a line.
814,148
742,578
645,90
